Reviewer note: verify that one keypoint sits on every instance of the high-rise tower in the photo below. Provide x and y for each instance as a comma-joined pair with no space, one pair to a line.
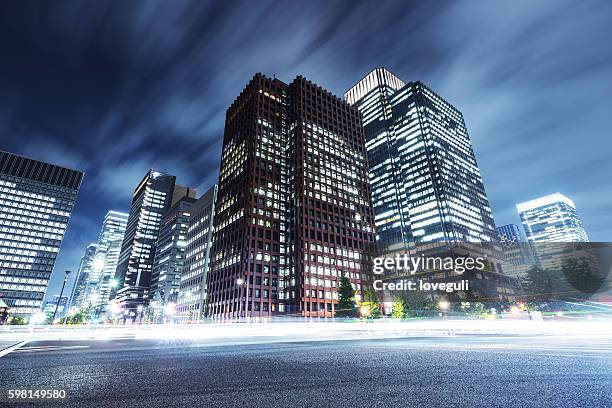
192,295
552,218
150,201
105,262
36,201
293,212
426,185
170,253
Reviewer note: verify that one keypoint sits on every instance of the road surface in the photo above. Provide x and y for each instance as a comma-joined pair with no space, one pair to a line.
457,371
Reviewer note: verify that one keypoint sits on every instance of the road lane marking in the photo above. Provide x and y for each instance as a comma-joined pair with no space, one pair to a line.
12,348
47,348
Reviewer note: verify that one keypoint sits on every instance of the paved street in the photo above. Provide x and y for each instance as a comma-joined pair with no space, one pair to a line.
468,371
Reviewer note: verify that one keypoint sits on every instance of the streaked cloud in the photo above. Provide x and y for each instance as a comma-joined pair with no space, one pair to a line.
115,88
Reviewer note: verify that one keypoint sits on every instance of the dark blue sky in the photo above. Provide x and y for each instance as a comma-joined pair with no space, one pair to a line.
114,88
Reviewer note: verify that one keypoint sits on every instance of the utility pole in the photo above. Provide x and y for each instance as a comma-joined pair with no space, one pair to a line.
59,299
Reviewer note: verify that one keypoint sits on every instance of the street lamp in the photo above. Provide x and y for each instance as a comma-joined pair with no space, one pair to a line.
240,283
139,309
443,305
59,299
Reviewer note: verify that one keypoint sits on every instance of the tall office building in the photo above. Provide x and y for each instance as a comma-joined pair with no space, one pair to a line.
552,218
79,290
510,233
150,201
36,201
426,185
293,211
49,306
170,252
518,254
191,303
427,191
101,280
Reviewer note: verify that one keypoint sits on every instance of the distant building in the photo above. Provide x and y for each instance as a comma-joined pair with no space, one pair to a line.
552,218
554,229
150,201
192,293
49,306
170,253
83,278
36,201
518,253
510,233
106,258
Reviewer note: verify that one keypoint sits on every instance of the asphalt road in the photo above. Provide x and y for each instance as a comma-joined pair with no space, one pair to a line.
470,371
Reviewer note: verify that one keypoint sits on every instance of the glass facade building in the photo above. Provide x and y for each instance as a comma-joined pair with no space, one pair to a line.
105,261
170,253
294,211
427,190
426,185
518,252
150,201
191,303
83,278
552,218
36,201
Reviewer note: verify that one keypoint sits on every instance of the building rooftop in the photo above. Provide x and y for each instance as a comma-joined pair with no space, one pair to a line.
543,201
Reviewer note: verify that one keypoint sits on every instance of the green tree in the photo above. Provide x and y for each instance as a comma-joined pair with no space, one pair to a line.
399,308
17,321
476,309
537,283
581,279
372,302
418,303
346,302
82,316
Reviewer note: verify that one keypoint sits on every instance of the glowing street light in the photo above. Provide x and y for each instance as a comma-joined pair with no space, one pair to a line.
239,281
38,317
443,305
170,308
115,308
515,310
364,310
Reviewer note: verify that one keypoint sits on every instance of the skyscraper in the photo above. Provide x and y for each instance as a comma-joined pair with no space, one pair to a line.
293,211
426,185
192,293
150,201
518,253
427,191
510,233
105,261
79,290
552,218
170,253
36,201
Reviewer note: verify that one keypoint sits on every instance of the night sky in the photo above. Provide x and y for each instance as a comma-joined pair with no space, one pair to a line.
114,88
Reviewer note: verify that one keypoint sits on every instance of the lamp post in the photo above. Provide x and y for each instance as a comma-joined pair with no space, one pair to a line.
240,283
59,299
